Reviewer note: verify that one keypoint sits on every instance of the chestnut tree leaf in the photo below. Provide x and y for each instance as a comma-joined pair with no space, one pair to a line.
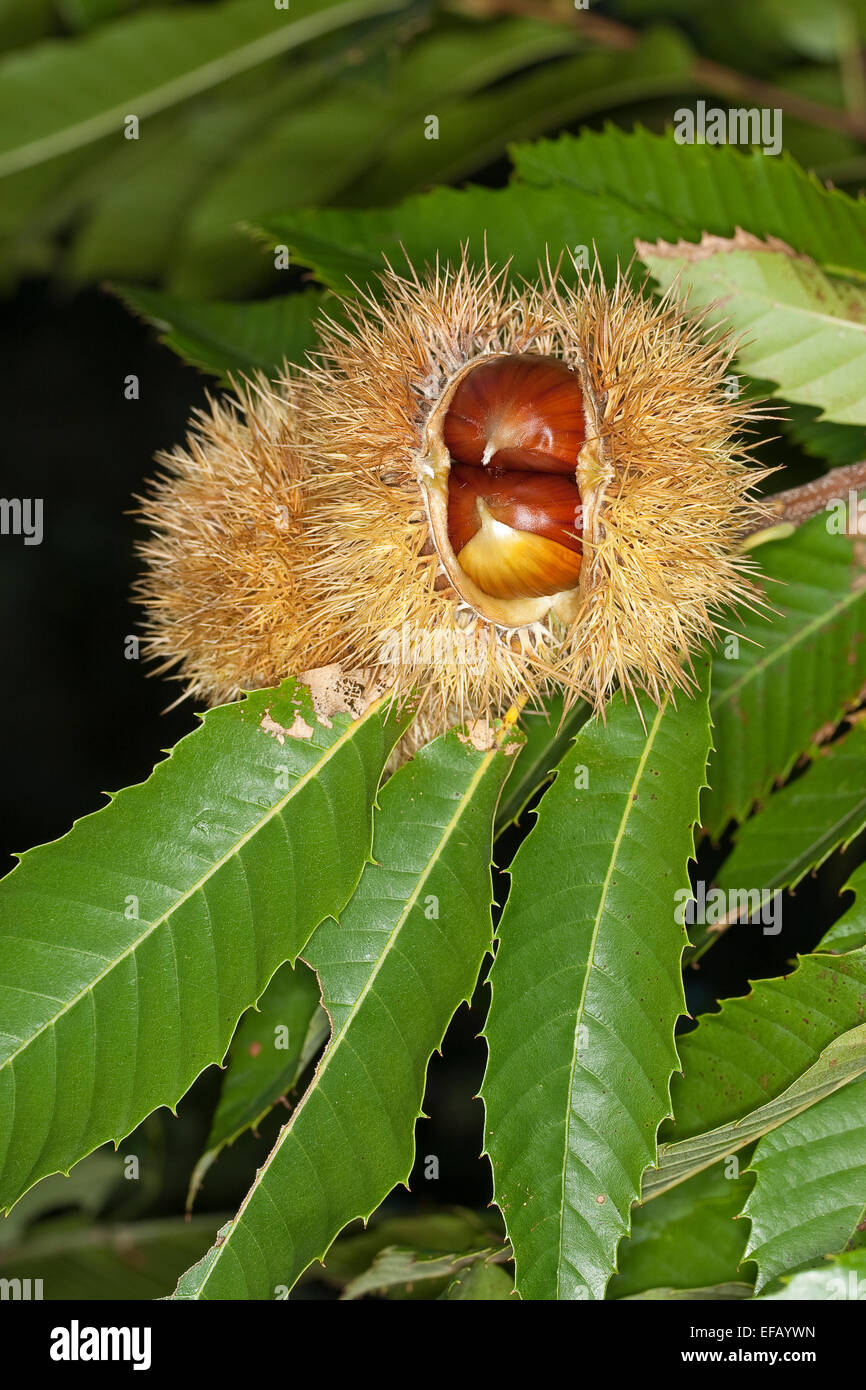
346,246
803,824
797,830
850,931
144,64
790,675
809,1198
839,1279
169,171
482,1280
437,1231
586,990
305,157
225,337
757,1046
712,1294
207,88
842,1061
404,1269
796,325
269,138
706,188
824,440
404,955
687,1238
22,21
109,1260
475,131
204,85
549,731
130,947
275,1042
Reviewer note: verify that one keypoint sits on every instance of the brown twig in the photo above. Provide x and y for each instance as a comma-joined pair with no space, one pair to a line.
610,33
797,504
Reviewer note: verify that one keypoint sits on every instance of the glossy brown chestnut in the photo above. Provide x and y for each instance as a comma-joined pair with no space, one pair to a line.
513,430
521,411
527,501
516,534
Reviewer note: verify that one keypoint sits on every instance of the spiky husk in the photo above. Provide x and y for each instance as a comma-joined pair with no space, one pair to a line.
223,584
235,600
367,396
677,496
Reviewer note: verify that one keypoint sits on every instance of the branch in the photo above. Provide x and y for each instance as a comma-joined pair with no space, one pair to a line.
797,504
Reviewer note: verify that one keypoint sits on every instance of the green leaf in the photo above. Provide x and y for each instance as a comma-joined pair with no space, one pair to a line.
586,992
145,64
481,1280
793,675
549,731
796,326
804,823
712,1294
464,54
809,1197
824,440
303,157
274,1044
842,1061
168,171
345,246
22,21
688,1238
87,1189
441,1231
139,1261
227,338
396,1268
475,131
820,34
850,931
84,207
703,188
130,947
404,955
755,1047
84,14
841,1278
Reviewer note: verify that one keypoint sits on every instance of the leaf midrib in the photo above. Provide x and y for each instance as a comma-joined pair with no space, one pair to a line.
629,804
195,887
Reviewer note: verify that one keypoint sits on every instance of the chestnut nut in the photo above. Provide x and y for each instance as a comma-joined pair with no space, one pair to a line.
513,430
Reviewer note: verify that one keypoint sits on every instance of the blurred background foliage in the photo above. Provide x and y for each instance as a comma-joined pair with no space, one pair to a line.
246,110
250,114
